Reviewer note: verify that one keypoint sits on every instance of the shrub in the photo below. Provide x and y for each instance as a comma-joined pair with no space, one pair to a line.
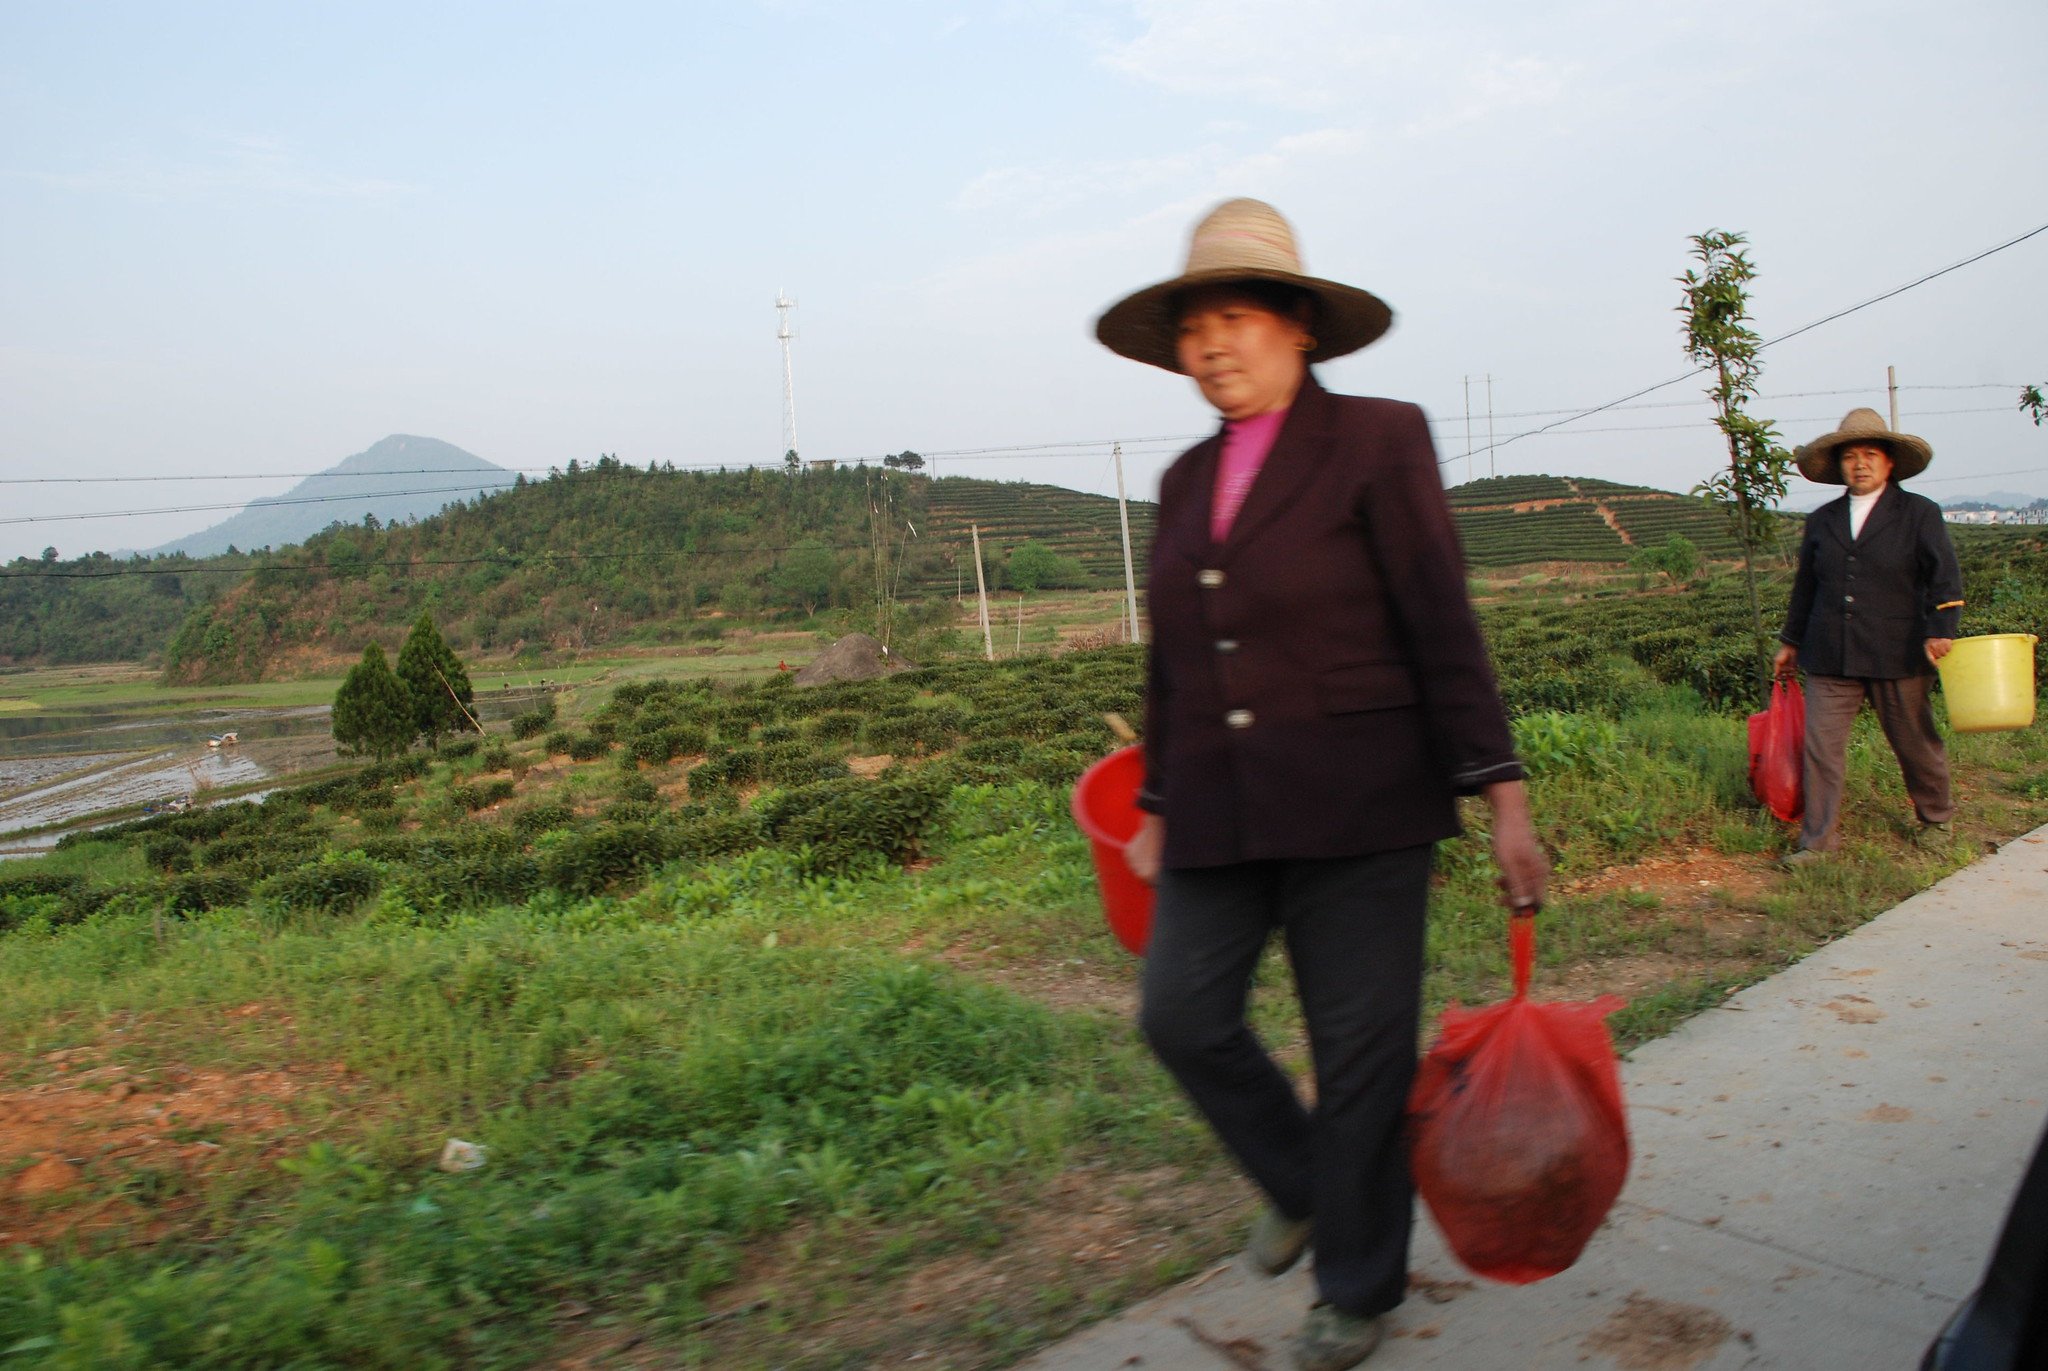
723,770
682,740
558,742
589,747
483,794
835,725
167,852
542,815
497,757
458,748
200,890
881,819
589,861
531,724
705,834
329,886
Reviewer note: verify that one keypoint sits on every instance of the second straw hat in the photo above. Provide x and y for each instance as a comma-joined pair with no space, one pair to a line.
1817,460
1241,240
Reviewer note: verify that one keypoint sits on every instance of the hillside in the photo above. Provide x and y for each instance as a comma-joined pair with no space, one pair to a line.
596,554
99,608
1069,522
1511,520
608,554
366,485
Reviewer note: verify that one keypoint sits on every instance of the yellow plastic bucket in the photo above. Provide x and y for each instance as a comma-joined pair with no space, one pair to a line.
1989,682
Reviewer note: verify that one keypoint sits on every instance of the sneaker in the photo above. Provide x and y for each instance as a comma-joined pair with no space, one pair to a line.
1332,1340
1277,1241
1935,836
1805,856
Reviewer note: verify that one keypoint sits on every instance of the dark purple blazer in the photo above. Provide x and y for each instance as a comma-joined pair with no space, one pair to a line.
1317,686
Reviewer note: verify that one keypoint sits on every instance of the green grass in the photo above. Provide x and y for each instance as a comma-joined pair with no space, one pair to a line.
809,1069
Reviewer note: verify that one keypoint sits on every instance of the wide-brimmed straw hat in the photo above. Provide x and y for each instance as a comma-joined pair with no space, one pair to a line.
1820,460
1241,240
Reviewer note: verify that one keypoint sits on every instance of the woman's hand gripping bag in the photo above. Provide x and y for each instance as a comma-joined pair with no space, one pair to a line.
1517,1139
1777,752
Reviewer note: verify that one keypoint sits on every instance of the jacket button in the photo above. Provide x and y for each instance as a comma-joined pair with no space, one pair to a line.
1848,599
1210,578
1238,718
1226,645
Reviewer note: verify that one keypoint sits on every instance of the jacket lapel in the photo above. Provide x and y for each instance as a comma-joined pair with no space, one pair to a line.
1296,455
1836,520
1883,512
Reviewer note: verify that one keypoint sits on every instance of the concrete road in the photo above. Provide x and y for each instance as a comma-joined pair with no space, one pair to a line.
1821,1168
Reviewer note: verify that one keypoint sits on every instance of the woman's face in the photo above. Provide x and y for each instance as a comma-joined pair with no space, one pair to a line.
1246,358
1865,467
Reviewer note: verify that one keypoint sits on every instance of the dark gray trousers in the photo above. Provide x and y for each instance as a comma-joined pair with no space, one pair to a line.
1904,712
1354,934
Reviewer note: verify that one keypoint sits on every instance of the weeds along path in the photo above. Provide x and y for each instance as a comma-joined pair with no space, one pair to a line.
786,1020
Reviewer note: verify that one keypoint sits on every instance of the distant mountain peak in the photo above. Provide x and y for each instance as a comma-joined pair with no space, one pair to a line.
339,495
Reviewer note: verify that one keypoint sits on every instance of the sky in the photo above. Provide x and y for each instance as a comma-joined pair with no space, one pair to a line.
254,239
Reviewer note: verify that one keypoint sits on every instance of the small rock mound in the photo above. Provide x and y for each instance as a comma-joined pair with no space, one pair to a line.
856,657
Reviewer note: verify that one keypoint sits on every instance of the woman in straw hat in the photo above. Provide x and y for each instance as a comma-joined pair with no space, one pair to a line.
1318,696
1874,606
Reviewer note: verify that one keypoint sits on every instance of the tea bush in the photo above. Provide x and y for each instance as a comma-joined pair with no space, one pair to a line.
202,890
884,820
483,794
329,886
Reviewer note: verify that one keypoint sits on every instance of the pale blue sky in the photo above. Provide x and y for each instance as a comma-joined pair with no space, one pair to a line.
261,237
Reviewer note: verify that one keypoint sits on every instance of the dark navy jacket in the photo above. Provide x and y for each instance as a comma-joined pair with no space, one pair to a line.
1865,607
1317,683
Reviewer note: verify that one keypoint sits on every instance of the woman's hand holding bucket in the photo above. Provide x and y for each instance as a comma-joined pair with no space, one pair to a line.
1141,854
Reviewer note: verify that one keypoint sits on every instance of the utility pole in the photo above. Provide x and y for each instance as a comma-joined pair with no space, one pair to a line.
783,305
988,642
1489,424
1123,517
1891,385
1468,428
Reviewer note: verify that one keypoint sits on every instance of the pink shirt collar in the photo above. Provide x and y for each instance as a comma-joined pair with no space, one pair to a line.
1246,444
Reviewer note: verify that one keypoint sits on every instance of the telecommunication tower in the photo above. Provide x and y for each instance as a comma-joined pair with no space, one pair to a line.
783,305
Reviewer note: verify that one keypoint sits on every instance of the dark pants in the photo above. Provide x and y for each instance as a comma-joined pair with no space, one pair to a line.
1354,932
1906,716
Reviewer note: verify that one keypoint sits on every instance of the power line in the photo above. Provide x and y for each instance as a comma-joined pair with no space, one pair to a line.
1080,447
1773,342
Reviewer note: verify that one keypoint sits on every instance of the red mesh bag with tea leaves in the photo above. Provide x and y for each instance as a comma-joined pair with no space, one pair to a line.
1777,752
1516,1134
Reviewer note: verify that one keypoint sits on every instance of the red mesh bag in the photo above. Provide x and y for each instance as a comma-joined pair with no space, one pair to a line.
1777,752
1516,1134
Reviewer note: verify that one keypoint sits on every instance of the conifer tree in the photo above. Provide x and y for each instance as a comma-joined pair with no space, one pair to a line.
425,662
373,711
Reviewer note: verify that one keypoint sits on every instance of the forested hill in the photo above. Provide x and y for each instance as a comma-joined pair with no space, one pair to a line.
611,553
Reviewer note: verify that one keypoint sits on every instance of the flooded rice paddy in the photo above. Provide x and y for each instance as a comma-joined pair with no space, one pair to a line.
63,767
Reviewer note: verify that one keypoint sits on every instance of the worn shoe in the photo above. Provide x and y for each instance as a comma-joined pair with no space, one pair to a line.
1332,1340
1277,1241
1934,836
1805,856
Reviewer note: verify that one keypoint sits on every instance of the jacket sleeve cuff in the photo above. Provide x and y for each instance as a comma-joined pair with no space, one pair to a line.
1946,620
1474,779
1151,801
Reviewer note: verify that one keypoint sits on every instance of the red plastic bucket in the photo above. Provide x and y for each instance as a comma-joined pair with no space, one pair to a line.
1106,808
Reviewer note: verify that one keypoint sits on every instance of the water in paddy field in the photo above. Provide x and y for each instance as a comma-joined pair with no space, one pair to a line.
60,767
